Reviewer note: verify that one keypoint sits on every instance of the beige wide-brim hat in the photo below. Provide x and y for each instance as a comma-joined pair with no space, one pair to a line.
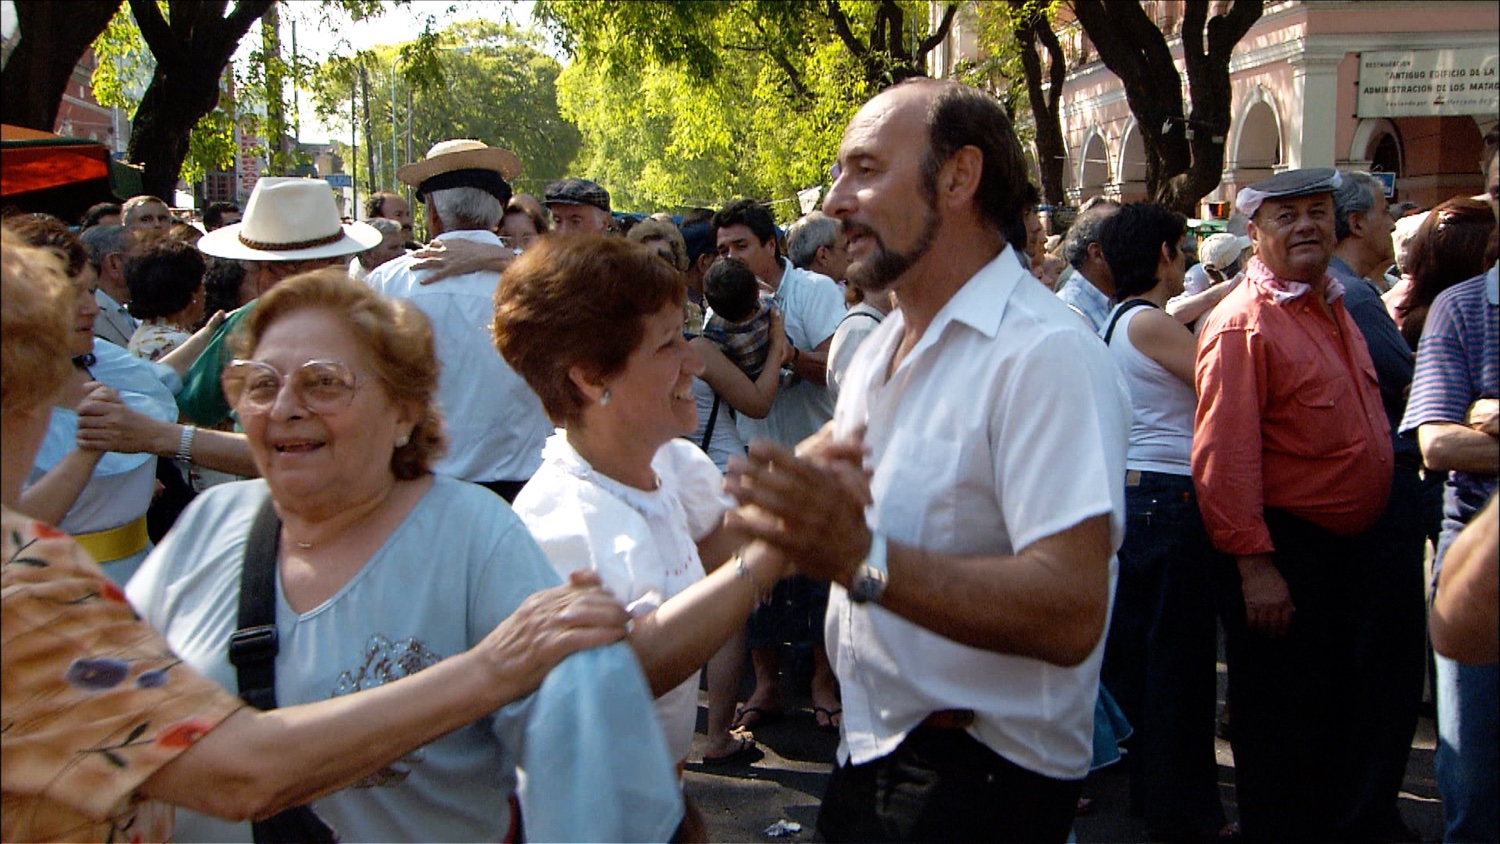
289,219
461,154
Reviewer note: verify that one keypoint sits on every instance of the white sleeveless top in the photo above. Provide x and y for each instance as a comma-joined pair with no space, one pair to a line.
1162,406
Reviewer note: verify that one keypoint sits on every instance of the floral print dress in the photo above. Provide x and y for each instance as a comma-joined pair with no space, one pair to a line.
93,701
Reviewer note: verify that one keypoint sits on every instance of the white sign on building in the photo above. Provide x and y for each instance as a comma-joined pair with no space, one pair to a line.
1429,83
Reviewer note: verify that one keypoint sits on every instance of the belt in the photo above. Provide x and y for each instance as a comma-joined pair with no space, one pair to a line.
949,719
106,546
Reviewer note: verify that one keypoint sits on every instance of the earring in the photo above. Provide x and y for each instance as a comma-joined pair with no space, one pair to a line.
604,399
402,440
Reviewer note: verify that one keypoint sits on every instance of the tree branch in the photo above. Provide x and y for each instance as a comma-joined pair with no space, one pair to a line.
937,36
842,30
154,28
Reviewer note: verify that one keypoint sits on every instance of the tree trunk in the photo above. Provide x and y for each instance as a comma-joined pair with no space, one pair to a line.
1212,97
1046,106
1184,161
191,50
54,36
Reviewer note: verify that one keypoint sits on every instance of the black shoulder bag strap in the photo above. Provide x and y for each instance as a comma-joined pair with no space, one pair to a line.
713,416
252,651
1120,310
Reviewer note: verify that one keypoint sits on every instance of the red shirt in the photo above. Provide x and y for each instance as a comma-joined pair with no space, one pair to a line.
1289,416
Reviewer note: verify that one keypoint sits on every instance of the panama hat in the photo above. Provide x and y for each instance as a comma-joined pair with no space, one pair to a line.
289,219
460,154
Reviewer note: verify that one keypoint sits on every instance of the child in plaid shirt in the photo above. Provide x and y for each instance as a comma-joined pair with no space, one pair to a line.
740,324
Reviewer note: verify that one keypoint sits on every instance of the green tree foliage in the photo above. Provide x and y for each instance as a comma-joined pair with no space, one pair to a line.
478,79
694,103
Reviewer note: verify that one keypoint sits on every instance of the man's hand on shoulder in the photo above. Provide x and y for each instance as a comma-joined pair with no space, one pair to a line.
446,259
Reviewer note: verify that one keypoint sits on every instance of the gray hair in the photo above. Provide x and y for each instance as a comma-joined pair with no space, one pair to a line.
1354,195
462,209
384,225
104,241
809,234
1085,230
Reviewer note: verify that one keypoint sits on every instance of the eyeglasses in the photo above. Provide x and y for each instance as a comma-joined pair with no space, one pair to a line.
321,386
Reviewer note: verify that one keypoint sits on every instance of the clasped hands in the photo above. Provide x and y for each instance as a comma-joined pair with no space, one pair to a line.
808,505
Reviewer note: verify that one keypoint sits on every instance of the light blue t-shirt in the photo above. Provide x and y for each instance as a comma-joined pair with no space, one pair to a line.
459,563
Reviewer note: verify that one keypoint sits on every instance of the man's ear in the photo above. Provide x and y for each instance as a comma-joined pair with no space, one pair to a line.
114,262
958,182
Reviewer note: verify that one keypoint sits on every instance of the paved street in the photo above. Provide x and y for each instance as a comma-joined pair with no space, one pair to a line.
740,803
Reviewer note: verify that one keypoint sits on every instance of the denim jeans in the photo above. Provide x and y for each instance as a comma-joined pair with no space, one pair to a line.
1159,659
1468,741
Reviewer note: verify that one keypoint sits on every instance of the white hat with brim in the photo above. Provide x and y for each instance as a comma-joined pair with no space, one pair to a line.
460,154
289,219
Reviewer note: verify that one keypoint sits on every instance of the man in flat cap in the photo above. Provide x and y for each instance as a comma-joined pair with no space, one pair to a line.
496,425
1292,461
578,206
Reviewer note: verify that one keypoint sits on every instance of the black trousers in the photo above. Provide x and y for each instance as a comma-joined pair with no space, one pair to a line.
944,785
1323,716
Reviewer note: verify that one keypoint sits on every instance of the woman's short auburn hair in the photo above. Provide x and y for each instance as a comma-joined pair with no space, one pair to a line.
397,335
578,301
36,299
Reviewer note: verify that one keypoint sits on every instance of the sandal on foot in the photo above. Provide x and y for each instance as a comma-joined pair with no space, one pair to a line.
744,753
750,717
824,718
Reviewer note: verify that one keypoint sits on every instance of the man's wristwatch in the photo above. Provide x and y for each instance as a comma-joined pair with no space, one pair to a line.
870,578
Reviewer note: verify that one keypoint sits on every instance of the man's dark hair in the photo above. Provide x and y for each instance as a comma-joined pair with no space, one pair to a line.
699,240
748,213
697,215
163,275
375,203
213,215
1016,234
961,116
731,289
1132,239
97,212
221,286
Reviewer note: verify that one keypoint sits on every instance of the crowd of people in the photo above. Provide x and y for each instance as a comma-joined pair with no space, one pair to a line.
318,532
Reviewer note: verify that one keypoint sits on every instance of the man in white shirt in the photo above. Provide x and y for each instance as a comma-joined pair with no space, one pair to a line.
974,582
496,425
812,306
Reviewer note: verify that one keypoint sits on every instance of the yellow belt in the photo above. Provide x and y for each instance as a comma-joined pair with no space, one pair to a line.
106,546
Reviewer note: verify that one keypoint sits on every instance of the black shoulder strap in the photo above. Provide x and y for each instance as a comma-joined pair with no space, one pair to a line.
253,647
708,430
1120,310
854,313
252,651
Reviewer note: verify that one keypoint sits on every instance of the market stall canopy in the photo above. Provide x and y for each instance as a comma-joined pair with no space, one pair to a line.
40,171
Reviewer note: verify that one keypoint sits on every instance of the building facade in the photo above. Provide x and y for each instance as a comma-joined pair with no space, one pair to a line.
1400,88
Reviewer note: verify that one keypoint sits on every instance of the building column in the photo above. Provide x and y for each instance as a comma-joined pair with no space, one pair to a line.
1310,129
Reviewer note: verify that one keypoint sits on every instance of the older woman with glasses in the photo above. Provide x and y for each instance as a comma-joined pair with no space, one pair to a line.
381,570
104,725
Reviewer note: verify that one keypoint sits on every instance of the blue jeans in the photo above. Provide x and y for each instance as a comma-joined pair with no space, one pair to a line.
1160,654
1468,741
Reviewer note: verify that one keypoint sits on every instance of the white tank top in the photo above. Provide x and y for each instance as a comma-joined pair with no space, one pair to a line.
1161,432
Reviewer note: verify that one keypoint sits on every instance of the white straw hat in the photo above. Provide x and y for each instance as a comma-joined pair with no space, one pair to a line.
289,219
